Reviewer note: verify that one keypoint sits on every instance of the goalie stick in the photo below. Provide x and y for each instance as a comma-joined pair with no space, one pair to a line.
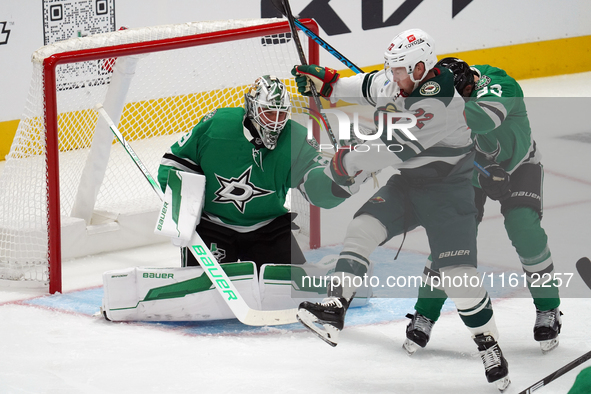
208,262
283,7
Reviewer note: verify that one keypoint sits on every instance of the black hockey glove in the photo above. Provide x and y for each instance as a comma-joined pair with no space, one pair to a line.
496,186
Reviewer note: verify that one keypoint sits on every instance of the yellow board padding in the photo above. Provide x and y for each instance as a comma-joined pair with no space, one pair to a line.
7,132
523,61
139,120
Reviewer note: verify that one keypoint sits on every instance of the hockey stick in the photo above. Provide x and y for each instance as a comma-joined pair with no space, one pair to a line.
208,262
556,374
279,6
584,269
287,12
284,4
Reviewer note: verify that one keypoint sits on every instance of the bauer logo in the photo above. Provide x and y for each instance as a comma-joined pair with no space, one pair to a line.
157,275
454,253
392,123
162,215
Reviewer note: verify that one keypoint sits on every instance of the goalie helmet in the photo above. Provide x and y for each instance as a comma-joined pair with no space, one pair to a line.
268,104
463,74
407,49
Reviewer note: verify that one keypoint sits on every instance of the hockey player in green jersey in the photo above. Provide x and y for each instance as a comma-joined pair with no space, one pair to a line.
250,158
496,113
433,188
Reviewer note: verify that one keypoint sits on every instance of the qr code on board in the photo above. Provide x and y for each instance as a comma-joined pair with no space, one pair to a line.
65,19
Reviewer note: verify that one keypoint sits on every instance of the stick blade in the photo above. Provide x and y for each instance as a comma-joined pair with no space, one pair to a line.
584,269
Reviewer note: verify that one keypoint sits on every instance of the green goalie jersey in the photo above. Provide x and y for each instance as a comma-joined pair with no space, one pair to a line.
246,184
497,115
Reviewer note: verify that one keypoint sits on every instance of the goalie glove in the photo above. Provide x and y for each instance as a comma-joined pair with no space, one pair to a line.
497,186
323,78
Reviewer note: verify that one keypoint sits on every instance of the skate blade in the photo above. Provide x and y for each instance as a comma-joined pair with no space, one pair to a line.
327,332
503,383
548,345
410,347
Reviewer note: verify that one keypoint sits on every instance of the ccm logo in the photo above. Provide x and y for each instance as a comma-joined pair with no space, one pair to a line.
454,253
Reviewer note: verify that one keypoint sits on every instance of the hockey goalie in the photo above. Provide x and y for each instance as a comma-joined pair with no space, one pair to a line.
228,179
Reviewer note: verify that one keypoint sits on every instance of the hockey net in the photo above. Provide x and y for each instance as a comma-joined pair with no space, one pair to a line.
68,190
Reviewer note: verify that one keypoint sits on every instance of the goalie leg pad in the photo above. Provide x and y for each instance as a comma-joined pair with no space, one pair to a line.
174,294
287,286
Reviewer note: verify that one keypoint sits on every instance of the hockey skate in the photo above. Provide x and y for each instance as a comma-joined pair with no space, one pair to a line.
325,319
547,328
418,332
496,368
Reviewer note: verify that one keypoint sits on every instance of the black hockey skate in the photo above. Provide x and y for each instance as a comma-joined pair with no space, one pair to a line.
418,332
325,319
496,368
547,328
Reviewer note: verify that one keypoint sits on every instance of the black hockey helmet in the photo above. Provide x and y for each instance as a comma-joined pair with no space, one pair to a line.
463,74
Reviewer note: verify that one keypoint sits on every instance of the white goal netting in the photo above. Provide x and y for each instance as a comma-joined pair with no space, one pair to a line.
154,95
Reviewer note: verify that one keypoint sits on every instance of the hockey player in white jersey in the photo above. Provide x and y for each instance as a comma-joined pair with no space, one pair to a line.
433,188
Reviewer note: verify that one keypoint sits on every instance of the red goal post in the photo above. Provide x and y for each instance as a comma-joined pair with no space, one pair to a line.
58,129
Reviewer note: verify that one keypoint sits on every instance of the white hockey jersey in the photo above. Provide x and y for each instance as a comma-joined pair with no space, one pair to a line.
441,131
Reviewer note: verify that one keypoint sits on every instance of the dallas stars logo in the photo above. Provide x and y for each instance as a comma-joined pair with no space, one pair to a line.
490,156
219,254
238,191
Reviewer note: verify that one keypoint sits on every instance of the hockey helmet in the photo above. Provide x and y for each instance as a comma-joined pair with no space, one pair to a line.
407,49
463,74
268,104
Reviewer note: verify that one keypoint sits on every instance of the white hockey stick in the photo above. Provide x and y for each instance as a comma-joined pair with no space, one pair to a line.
208,262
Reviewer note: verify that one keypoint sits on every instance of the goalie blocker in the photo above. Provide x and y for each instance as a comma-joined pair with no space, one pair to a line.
181,207
187,294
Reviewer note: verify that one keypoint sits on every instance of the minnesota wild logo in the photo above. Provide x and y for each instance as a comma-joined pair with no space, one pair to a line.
377,200
430,89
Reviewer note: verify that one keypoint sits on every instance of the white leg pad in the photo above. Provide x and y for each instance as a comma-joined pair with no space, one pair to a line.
284,286
173,294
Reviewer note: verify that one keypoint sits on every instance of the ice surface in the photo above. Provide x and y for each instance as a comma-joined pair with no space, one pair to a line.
52,344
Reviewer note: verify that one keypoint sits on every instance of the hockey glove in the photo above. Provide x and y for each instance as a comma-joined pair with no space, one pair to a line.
337,168
496,186
344,185
323,78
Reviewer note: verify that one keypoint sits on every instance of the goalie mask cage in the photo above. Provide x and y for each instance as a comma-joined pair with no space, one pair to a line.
68,189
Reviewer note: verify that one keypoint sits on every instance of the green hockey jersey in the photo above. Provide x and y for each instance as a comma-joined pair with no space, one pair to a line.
246,184
497,116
